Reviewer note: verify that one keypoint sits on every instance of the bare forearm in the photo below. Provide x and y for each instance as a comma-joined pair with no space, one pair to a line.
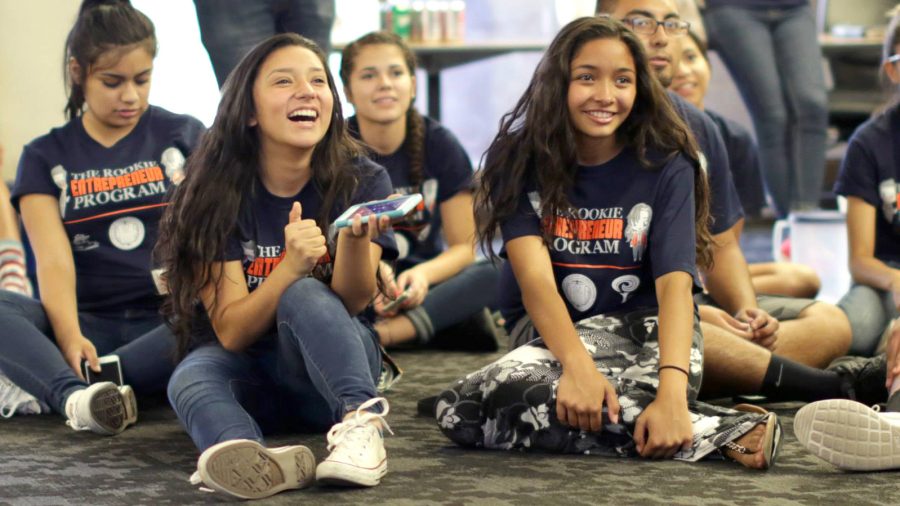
242,322
354,273
448,264
676,330
548,312
57,285
728,281
872,272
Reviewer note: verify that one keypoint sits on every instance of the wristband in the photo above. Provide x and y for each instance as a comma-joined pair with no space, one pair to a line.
686,373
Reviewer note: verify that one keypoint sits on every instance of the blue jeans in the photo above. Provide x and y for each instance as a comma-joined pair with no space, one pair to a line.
30,358
456,299
230,28
870,311
322,364
776,62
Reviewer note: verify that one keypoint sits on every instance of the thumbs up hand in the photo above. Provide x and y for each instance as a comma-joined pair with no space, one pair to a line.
304,242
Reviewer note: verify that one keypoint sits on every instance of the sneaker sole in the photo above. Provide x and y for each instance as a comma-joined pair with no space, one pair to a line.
848,435
109,411
344,475
248,470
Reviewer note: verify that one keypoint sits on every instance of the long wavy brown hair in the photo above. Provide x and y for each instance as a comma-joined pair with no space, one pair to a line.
536,141
414,141
203,210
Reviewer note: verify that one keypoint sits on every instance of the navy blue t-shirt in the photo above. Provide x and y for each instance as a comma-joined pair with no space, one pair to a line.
743,160
447,171
631,226
871,171
725,204
110,200
258,239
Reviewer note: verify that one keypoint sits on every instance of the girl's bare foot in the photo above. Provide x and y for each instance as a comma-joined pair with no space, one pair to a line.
751,443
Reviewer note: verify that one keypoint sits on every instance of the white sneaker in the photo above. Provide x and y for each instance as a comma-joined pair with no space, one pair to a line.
14,400
248,470
357,449
850,435
102,408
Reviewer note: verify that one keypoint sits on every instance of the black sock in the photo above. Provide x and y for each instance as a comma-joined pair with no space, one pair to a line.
893,403
787,380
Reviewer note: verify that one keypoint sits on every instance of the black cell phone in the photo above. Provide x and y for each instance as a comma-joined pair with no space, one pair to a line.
110,370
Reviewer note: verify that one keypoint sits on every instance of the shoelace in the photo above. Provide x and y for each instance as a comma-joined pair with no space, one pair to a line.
195,479
72,419
346,430
12,397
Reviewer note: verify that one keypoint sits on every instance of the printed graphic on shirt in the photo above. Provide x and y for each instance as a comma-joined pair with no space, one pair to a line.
416,226
83,242
888,192
638,224
97,187
58,174
173,161
589,231
626,285
580,291
260,261
127,233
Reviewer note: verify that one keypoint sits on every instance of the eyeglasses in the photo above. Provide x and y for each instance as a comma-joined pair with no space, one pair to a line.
648,26
893,58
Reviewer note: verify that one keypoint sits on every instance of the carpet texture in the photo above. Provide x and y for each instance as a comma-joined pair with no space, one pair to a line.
43,462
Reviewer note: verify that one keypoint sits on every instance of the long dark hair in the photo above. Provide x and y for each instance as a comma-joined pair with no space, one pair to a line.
414,140
536,143
102,26
203,211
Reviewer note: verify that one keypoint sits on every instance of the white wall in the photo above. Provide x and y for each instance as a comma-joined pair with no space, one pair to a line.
32,97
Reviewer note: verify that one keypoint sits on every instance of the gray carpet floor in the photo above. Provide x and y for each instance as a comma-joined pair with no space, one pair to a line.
43,462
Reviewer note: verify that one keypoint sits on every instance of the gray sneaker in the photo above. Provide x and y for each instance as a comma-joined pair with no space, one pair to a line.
862,379
102,408
248,470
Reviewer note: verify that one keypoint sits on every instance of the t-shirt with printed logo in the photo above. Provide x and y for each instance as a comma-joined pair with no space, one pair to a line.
110,200
629,226
447,171
258,238
871,172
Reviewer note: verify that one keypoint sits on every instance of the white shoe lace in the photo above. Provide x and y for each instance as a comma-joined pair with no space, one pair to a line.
349,430
13,399
195,479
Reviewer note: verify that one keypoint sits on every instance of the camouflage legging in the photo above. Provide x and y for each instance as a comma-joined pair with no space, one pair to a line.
511,403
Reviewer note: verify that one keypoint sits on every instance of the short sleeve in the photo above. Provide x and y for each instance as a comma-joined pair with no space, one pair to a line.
33,175
673,233
858,176
525,221
725,203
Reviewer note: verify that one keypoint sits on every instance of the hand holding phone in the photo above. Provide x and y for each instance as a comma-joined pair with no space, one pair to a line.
395,304
110,370
394,208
